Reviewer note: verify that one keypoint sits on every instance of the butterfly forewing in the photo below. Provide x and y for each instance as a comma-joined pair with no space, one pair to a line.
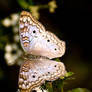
29,28
36,41
33,73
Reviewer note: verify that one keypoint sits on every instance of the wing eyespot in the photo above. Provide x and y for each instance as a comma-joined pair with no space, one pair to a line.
55,49
48,40
34,31
48,72
55,65
33,76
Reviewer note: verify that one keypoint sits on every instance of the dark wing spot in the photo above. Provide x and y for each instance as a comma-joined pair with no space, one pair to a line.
55,65
48,72
55,49
48,40
34,31
33,76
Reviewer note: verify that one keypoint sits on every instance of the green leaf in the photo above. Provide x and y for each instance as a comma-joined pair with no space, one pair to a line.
23,4
58,85
49,86
79,90
68,74
57,59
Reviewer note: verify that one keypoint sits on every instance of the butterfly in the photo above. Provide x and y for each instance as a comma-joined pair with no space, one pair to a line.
40,46
36,40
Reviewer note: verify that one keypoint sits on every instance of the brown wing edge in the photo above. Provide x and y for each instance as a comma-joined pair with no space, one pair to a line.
29,14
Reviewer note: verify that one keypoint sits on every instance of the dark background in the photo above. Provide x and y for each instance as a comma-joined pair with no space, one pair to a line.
72,22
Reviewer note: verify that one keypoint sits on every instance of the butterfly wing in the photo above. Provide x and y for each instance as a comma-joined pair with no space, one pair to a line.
36,41
29,28
53,47
33,73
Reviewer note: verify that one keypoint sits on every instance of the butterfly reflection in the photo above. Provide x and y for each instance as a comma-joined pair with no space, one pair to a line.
34,72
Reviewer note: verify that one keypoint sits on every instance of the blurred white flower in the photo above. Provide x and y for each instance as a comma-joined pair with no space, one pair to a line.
7,55
13,22
9,58
14,46
8,48
16,38
19,52
14,19
6,22
15,16
12,57
12,52
15,29
15,57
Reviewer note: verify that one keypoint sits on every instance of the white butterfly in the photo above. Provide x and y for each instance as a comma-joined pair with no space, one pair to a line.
42,45
36,41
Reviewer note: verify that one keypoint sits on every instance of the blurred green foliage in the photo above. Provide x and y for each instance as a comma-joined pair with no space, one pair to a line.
25,4
79,90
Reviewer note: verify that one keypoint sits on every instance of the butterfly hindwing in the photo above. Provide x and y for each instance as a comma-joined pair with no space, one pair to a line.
53,47
33,73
